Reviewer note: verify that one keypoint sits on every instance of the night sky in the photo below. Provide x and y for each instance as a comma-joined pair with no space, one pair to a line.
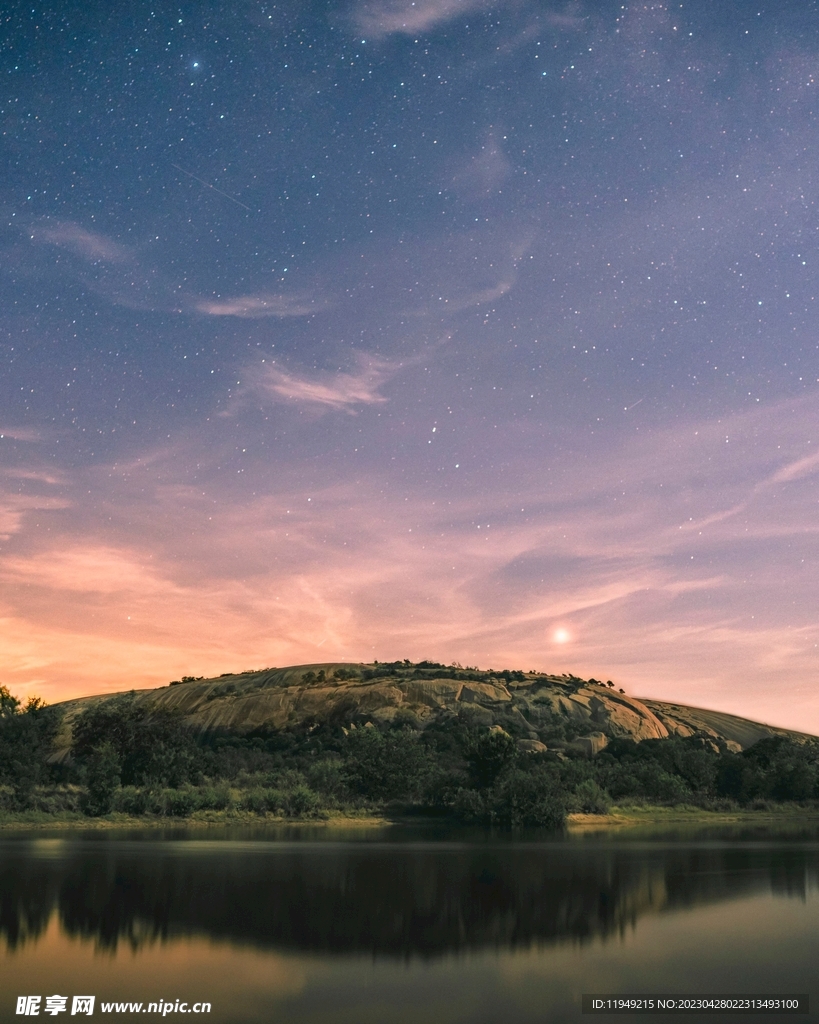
480,332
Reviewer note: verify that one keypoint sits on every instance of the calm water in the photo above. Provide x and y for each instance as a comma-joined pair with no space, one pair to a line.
305,928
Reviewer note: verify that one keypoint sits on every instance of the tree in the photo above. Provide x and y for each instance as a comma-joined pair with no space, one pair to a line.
152,745
102,777
487,754
26,738
385,767
532,799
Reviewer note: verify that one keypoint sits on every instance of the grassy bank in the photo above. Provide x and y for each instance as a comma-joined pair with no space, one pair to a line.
643,818
127,765
68,820
786,819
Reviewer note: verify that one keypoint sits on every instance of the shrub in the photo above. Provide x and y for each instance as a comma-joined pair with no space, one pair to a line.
180,803
591,799
153,746
101,779
385,767
26,735
300,802
528,800
262,801
328,778
469,805
487,754
215,798
130,800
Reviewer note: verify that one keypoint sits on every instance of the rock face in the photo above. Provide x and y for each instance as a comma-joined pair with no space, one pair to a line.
537,709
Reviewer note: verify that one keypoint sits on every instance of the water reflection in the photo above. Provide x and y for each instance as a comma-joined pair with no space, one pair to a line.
390,900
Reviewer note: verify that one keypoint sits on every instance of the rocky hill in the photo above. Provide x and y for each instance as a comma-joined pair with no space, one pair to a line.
541,711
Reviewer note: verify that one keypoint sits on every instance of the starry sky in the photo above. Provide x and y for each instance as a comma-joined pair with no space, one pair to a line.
476,331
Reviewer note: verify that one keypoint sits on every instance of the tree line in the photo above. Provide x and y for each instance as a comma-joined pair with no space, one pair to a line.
132,758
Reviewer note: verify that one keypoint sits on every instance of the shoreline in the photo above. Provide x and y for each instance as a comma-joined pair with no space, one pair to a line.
618,820
81,822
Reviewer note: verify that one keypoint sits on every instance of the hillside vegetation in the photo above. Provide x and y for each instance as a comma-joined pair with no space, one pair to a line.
508,748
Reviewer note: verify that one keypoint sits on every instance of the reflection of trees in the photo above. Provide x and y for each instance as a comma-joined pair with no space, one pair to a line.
28,894
386,899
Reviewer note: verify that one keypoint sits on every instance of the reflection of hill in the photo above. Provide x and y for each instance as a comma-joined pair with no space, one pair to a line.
385,899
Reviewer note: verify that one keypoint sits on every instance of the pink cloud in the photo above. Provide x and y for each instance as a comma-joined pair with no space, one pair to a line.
15,506
89,244
31,434
155,580
378,18
255,307
341,390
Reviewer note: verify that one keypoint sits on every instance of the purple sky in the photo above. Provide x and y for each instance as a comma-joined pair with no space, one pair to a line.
475,332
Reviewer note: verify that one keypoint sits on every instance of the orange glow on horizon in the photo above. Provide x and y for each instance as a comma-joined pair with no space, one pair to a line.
160,581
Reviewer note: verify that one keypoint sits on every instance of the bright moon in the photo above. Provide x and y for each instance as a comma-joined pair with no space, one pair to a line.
561,636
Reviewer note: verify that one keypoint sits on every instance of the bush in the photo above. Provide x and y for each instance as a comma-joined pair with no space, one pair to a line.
328,778
528,800
642,779
591,799
101,780
301,802
26,735
385,767
130,800
180,803
215,798
469,805
487,754
153,746
262,801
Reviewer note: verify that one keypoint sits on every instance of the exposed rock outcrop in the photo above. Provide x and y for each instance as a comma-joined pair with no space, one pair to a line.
537,709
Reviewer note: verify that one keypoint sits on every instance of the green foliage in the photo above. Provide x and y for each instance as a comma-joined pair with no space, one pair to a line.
215,797
328,778
385,766
299,802
102,775
590,798
342,673
9,705
26,737
521,797
774,768
470,806
528,799
137,759
152,746
487,754
133,801
169,802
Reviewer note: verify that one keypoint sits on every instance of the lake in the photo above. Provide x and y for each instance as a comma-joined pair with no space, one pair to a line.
310,925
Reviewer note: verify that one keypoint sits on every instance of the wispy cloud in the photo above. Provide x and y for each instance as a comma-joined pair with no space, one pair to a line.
341,390
457,300
798,469
663,581
379,18
256,307
37,475
89,244
15,507
21,434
